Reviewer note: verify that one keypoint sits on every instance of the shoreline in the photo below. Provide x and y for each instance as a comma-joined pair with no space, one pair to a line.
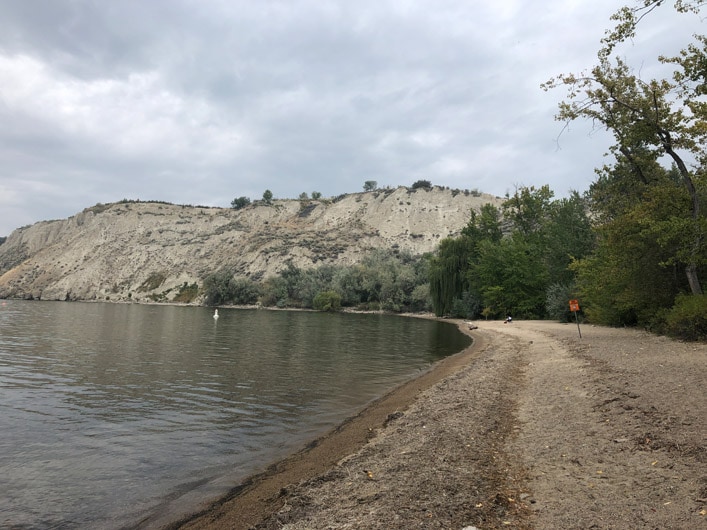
258,495
530,427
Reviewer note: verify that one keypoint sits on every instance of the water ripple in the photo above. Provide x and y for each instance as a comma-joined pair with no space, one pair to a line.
108,406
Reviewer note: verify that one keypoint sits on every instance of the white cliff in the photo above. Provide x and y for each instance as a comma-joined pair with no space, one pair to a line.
131,250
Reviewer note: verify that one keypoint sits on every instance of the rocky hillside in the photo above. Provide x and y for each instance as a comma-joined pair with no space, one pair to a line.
145,251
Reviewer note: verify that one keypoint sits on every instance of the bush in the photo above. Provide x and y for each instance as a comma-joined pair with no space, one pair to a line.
187,293
243,291
274,292
420,298
557,298
389,280
222,287
468,306
687,319
422,184
216,287
240,202
327,301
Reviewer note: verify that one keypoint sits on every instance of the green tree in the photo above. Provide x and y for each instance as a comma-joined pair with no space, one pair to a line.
423,184
346,281
222,287
327,301
453,290
650,120
511,276
370,185
420,298
267,196
316,195
632,276
449,272
240,202
244,291
568,237
528,209
557,301
484,225
274,292
627,19
486,272
216,287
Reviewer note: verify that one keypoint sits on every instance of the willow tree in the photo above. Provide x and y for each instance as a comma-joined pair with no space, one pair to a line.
448,272
450,281
651,119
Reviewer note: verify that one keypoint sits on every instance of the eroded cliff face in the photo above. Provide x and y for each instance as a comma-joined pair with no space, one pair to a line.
147,251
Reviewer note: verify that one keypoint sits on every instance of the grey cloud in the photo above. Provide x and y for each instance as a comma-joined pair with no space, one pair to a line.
200,101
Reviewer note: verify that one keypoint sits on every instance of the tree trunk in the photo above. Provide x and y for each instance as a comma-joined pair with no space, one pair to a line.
692,278
691,269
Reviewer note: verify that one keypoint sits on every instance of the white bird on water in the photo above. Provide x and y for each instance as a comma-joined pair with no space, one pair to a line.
215,314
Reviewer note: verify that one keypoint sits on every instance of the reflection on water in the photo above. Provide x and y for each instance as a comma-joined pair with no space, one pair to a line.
108,411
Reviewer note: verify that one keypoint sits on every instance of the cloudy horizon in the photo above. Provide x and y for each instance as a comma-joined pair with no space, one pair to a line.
201,102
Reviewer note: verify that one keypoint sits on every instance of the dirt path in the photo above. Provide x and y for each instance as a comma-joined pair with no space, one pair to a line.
531,428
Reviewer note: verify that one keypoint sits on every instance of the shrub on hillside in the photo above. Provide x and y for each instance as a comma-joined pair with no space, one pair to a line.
240,202
422,184
244,291
222,287
187,293
216,287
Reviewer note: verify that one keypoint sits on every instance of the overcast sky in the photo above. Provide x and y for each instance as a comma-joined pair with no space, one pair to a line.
201,101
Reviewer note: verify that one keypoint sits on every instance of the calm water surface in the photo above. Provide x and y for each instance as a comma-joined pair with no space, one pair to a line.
111,414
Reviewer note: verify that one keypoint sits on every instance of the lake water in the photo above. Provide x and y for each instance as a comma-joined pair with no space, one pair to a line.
112,413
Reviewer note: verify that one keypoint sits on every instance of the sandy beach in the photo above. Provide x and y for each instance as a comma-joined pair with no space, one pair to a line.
531,427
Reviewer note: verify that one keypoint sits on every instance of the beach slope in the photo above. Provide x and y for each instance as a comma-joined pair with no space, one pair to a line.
531,427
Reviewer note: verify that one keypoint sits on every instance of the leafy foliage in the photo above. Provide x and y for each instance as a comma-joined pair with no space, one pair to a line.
422,184
386,280
650,120
486,273
511,277
222,287
557,301
370,185
327,301
687,320
649,218
240,202
448,272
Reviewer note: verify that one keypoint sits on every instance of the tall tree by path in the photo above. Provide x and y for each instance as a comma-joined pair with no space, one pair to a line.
651,119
